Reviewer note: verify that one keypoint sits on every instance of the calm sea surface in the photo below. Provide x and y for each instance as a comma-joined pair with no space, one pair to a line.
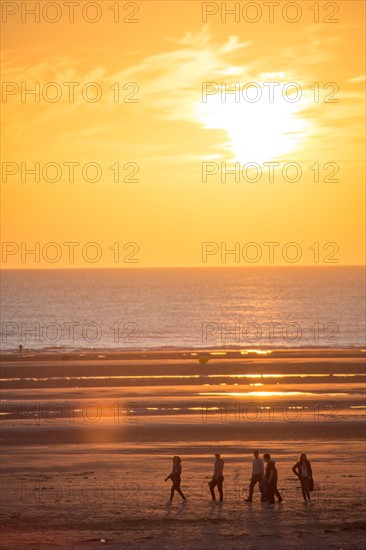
183,308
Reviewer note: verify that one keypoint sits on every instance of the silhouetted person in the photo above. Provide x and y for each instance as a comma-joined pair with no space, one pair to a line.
257,474
270,477
217,478
175,477
304,472
20,348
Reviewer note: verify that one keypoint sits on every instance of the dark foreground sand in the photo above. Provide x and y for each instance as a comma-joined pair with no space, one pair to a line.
85,482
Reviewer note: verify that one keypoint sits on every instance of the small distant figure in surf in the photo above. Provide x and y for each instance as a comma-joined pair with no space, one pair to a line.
257,475
175,477
20,348
303,471
217,478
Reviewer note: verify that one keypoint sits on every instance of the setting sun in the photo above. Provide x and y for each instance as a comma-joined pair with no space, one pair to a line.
263,121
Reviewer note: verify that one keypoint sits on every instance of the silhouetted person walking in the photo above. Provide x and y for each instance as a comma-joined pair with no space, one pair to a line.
217,478
175,477
304,472
270,477
257,474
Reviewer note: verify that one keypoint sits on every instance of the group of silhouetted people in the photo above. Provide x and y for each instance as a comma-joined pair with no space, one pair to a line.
267,479
264,472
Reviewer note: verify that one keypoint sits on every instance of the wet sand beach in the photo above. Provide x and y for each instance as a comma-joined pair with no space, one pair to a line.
87,442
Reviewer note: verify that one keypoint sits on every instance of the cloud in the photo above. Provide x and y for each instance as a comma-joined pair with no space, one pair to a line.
170,91
357,79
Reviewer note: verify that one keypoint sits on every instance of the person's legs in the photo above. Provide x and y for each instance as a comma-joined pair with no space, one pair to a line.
172,490
179,490
219,487
271,490
212,487
253,481
278,494
305,488
256,478
264,491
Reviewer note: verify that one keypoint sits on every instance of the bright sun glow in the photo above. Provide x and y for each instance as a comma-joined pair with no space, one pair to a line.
258,131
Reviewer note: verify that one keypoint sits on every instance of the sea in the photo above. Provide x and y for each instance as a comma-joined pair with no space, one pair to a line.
179,308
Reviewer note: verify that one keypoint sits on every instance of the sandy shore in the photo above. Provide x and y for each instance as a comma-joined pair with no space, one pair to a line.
84,455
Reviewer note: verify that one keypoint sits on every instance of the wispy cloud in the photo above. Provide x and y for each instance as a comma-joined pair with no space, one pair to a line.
170,88
357,79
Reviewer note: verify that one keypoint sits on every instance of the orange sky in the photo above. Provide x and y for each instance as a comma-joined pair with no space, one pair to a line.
170,133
